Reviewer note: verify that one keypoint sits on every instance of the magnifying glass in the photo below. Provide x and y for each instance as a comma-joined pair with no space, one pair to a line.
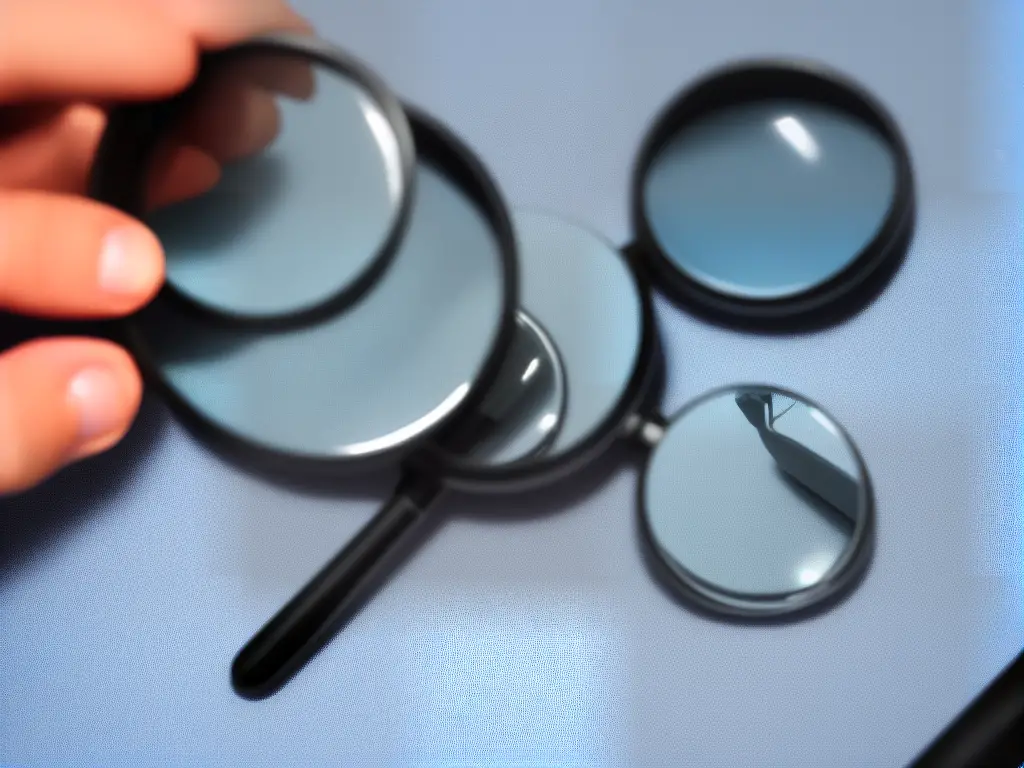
313,197
595,302
353,388
773,197
810,490
751,515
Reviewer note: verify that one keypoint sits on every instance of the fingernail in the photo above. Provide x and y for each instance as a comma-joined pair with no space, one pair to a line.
95,395
130,262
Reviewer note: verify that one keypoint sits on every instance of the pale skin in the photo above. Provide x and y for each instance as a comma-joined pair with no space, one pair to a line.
62,255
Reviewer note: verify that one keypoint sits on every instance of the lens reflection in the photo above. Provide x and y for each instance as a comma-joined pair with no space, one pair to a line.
771,199
523,411
753,493
309,195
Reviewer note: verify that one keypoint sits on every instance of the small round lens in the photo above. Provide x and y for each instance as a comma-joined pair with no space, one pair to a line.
769,200
279,184
370,382
774,197
757,502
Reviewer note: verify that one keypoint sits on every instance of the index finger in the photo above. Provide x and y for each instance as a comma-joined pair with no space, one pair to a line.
219,23
91,50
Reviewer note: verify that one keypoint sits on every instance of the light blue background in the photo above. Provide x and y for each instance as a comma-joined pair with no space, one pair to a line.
527,632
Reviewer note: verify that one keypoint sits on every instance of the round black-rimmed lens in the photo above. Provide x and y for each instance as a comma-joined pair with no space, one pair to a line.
756,503
597,308
368,385
279,183
773,197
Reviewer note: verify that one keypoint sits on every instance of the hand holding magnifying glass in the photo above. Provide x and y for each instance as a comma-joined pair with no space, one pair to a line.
63,256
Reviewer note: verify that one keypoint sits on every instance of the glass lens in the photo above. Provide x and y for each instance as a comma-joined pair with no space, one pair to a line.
769,199
311,189
579,288
367,380
754,494
523,411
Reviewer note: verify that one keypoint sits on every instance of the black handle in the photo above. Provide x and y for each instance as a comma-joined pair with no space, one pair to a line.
982,735
330,599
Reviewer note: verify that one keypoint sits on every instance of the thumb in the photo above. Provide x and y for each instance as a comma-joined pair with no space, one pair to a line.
61,400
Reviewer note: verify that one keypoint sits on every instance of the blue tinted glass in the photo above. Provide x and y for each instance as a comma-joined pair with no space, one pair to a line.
769,199
296,224
580,290
370,378
754,493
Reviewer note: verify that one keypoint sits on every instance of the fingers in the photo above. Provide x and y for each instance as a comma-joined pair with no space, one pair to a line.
53,153
218,23
180,173
232,119
236,113
52,149
71,257
61,400
91,49
284,75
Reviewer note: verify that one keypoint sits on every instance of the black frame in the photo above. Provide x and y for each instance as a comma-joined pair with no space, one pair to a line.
833,301
989,733
134,131
840,580
440,147
467,476
469,430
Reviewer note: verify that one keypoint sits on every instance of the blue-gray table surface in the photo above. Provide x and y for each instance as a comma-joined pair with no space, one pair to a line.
527,630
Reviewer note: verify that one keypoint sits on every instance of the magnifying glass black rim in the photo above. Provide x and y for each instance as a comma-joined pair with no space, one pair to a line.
440,147
827,303
461,473
837,582
134,130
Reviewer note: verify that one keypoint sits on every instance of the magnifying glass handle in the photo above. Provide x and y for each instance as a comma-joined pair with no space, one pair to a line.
308,622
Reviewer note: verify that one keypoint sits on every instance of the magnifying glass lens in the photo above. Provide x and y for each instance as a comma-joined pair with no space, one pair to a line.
523,410
754,495
587,312
364,383
769,199
310,195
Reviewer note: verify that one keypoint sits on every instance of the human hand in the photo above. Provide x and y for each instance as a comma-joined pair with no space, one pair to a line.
64,256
